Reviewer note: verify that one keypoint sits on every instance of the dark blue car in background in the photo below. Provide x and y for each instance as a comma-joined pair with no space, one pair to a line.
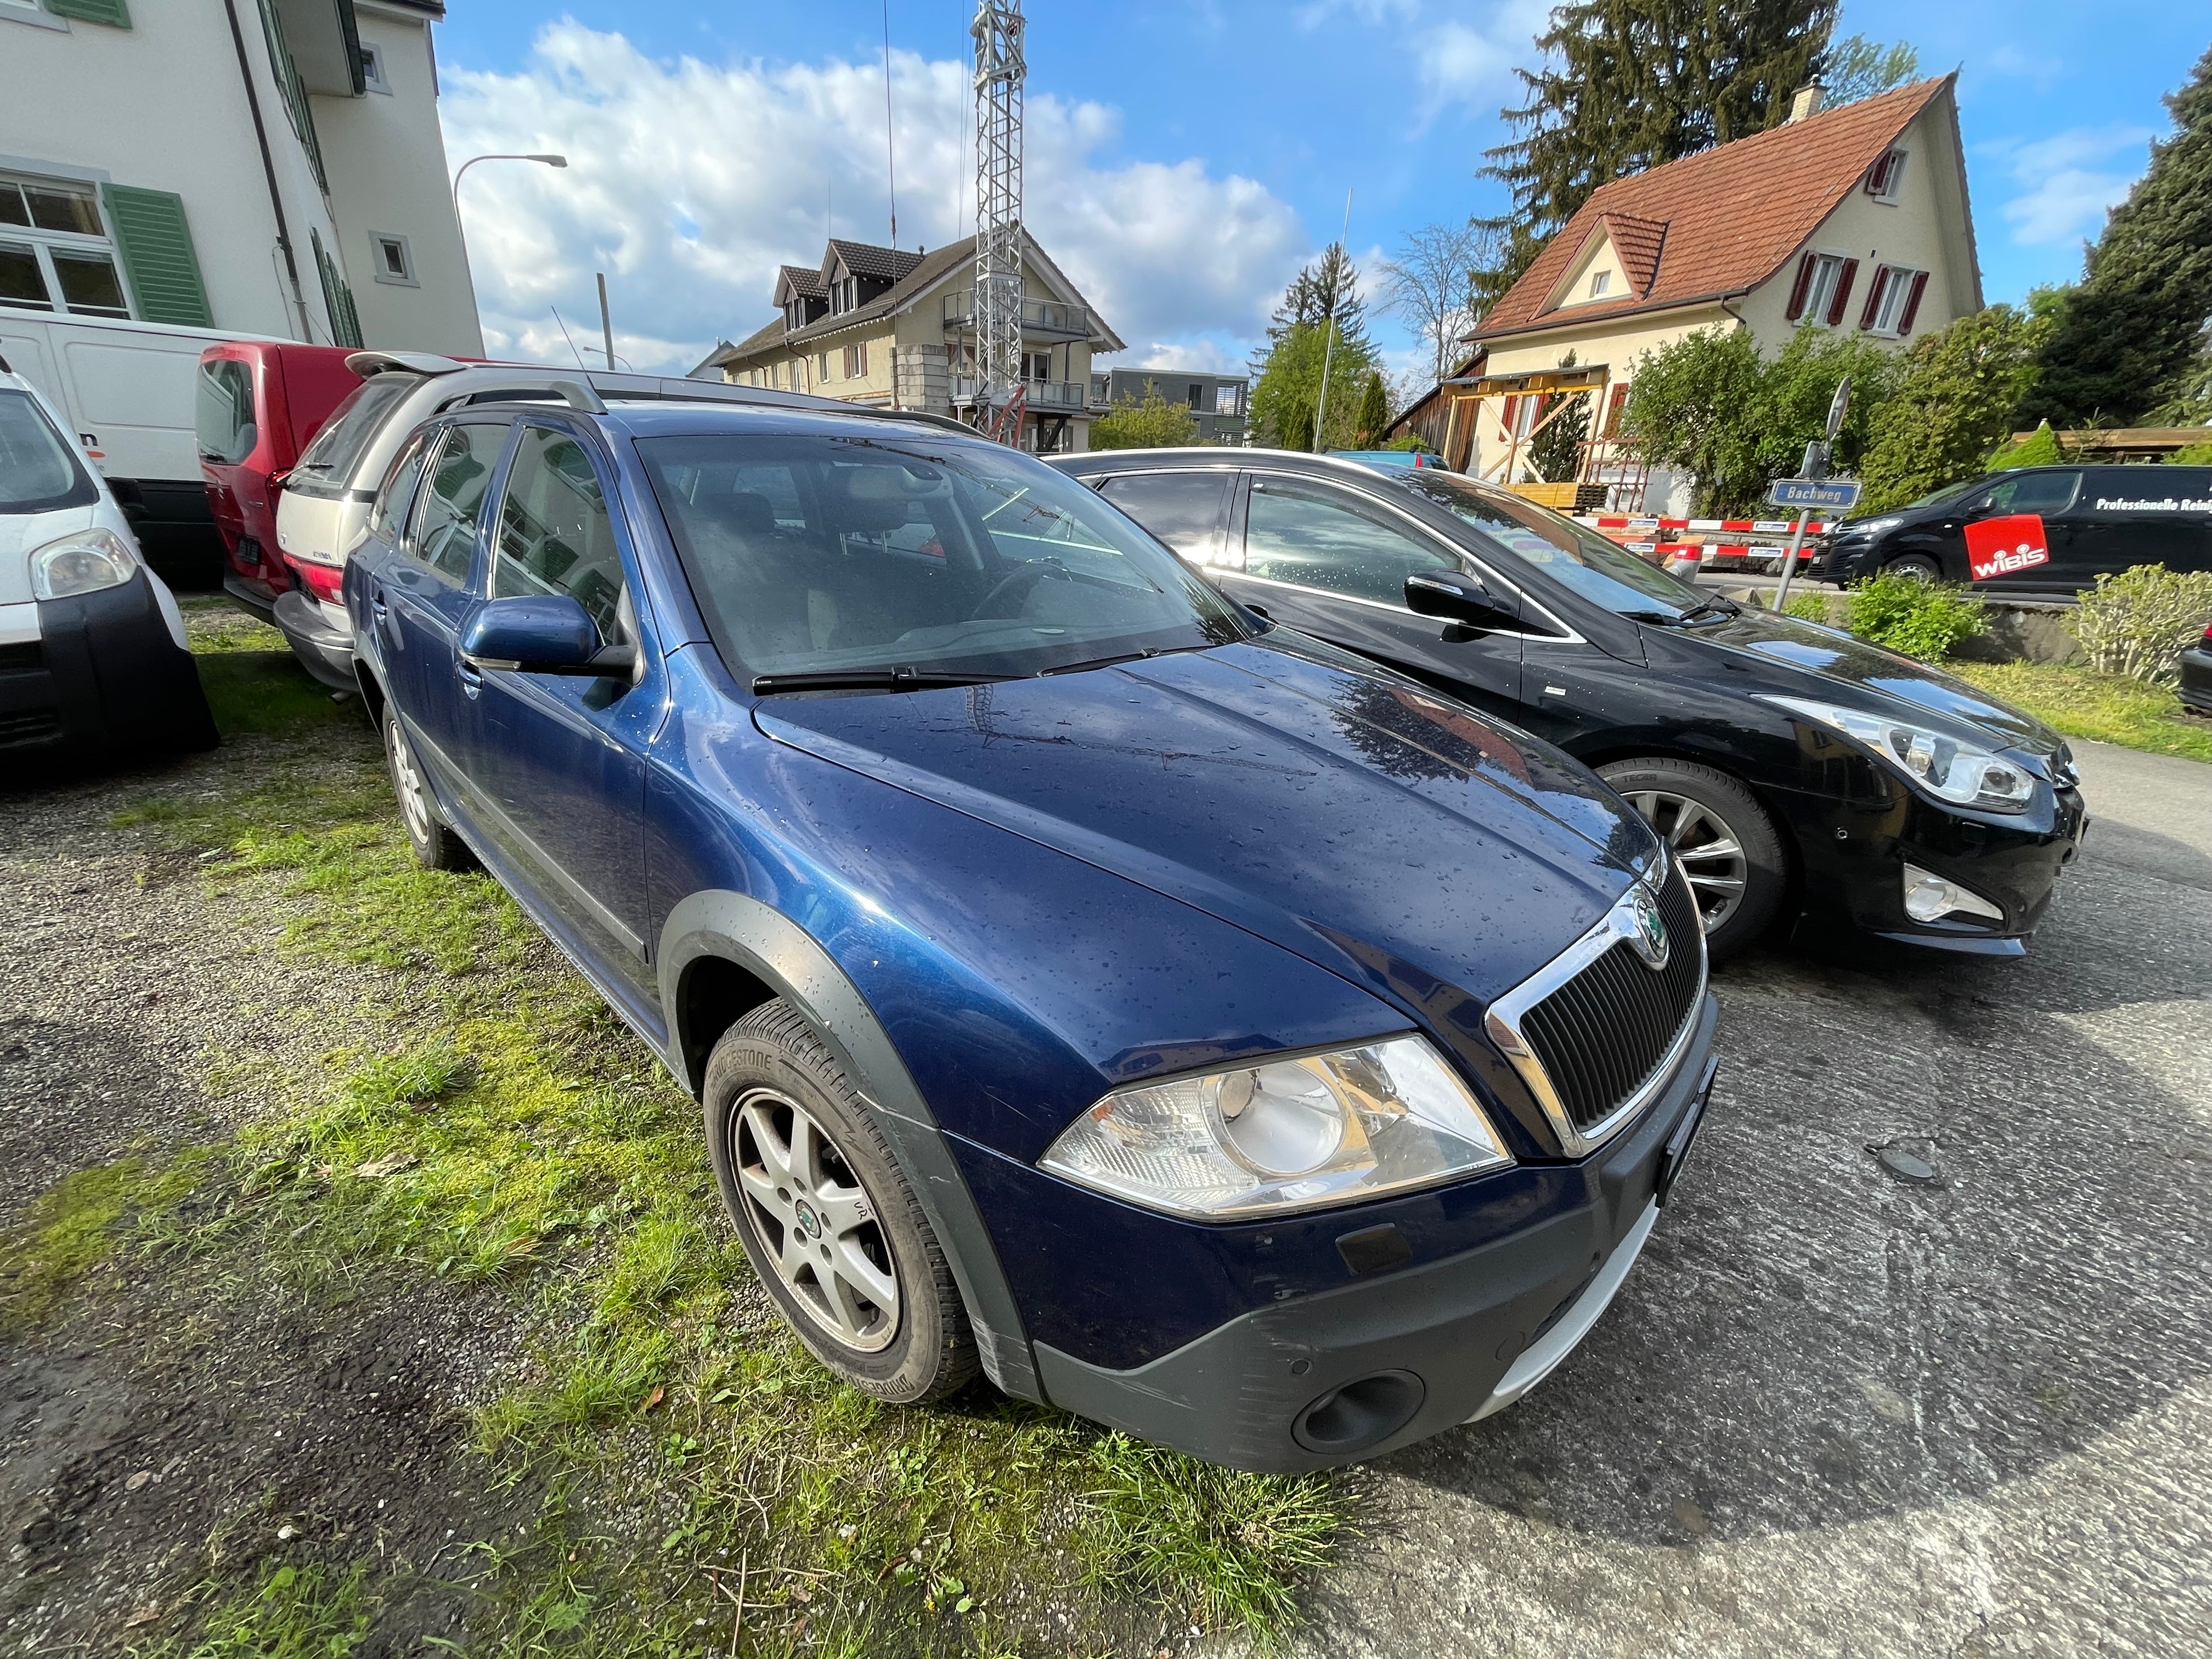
1185,1022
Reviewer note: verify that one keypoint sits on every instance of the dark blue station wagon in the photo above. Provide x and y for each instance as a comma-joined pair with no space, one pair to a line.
1085,980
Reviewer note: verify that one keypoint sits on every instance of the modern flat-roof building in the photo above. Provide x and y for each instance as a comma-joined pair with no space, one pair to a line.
1218,401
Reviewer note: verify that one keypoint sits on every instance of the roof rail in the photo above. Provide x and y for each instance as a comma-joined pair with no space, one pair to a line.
577,395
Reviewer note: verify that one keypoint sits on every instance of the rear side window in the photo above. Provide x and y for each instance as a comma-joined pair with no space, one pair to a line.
1183,509
397,490
39,467
2031,492
555,535
227,430
445,533
330,459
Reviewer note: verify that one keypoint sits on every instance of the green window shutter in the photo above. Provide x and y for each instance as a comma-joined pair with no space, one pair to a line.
114,13
294,92
156,245
337,298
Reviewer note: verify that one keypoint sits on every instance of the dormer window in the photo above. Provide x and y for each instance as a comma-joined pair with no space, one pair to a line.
1601,284
1885,178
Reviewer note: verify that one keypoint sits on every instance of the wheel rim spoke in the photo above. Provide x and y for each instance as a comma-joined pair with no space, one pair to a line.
1723,848
1717,868
801,1185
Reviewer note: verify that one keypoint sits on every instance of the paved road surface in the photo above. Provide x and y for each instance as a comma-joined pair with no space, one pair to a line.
1839,1412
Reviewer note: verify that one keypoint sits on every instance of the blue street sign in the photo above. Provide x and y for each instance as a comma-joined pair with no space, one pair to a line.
1836,495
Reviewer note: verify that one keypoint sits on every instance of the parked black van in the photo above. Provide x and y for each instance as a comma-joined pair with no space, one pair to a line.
2096,519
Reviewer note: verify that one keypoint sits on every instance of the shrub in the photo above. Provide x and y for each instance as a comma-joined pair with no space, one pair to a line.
1153,423
2191,455
2137,623
1918,618
2039,449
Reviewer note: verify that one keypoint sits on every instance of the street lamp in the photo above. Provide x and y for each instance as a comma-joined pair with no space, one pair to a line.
547,161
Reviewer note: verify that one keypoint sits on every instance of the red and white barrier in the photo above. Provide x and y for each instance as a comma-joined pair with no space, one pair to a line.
1662,540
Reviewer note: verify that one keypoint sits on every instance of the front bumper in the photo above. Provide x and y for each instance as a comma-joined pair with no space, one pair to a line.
100,672
1853,848
1413,1351
324,647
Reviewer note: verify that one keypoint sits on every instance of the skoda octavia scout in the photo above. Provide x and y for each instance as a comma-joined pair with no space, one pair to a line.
1183,1022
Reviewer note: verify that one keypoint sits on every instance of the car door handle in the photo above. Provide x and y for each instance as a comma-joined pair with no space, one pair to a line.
471,680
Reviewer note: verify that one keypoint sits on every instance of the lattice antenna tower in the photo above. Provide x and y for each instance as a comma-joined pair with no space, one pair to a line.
999,71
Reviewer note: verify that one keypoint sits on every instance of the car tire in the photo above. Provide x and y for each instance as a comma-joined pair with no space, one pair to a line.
430,838
1721,834
1920,567
828,1218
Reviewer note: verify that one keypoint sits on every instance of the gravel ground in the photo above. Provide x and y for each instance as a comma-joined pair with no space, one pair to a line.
1845,1408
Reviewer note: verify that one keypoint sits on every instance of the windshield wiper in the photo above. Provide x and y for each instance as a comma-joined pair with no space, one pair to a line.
1676,618
1123,656
867,679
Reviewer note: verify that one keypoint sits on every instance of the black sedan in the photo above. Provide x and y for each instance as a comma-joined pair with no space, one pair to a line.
1801,775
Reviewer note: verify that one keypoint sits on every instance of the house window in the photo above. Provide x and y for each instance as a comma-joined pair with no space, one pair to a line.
55,253
856,361
1600,283
1822,290
1885,178
371,68
391,260
821,368
1894,300
1196,391
1036,365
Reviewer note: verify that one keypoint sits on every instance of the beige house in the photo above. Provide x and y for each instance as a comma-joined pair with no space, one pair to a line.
1852,219
895,329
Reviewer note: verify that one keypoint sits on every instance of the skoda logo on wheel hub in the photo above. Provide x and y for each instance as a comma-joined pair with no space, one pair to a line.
1650,938
809,1222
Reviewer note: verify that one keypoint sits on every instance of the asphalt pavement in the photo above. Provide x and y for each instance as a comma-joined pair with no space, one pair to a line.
1917,1362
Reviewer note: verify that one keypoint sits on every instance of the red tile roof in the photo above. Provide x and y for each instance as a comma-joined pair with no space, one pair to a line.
1721,221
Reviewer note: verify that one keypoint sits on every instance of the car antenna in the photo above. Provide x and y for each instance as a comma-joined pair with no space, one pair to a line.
563,327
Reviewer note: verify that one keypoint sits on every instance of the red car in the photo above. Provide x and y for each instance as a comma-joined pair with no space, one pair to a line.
260,402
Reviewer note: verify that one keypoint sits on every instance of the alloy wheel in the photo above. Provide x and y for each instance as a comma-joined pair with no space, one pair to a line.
817,1223
414,793
1711,852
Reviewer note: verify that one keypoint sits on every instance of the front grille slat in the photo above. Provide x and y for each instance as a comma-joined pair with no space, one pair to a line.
1602,1036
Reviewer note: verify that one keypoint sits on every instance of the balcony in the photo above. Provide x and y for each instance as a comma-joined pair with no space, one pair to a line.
1042,396
1042,320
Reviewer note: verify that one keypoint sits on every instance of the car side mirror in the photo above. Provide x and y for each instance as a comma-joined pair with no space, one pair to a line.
554,635
1459,598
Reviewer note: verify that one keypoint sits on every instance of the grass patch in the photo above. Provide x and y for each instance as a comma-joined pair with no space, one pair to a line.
503,1129
74,1226
2084,703
293,1612
254,684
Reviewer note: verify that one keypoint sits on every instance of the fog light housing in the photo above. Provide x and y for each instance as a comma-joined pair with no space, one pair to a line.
1930,897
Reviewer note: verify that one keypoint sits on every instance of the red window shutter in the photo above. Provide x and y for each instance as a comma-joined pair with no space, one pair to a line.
1619,401
1843,293
1874,297
1878,174
1801,286
1912,304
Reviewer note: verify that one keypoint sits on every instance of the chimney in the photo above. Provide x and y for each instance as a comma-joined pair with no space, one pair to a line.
1804,102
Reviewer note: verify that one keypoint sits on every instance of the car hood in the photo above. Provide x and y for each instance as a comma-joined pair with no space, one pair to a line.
1803,659
1383,832
19,532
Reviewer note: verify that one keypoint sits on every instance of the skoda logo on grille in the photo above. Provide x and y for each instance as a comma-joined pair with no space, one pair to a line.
1650,937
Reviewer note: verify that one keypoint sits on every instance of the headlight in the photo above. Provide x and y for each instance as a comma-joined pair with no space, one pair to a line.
1957,772
1880,526
1283,1134
82,563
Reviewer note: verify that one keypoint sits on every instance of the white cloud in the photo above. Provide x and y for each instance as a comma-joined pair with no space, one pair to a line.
2067,180
1471,65
688,183
1371,12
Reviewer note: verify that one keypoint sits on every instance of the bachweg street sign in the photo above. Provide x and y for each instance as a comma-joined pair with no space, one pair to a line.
1834,495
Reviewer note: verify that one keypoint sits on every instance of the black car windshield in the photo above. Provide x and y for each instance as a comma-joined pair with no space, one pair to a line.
1948,492
816,555
39,468
1594,567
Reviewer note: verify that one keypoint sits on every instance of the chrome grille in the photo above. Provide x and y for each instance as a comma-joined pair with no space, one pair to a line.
1598,1031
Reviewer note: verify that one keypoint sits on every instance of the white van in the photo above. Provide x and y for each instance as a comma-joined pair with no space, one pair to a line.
129,391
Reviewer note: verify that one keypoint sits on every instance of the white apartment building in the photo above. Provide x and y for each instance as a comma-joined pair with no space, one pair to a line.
254,167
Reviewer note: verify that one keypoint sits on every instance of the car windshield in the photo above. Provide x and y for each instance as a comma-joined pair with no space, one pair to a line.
1594,567
349,428
1947,493
915,556
39,468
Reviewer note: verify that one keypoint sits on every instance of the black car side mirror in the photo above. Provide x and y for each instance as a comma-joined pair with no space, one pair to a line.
554,635
1459,598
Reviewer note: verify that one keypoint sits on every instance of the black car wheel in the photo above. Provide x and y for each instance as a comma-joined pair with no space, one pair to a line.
1920,567
827,1217
1727,844
436,845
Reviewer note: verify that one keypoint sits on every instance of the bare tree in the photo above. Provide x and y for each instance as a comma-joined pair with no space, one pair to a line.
1428,283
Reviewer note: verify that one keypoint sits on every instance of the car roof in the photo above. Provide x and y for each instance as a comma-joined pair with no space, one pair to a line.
1295,460
675,416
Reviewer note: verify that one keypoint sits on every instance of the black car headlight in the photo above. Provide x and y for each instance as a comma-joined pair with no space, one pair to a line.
1959,773
1284,1134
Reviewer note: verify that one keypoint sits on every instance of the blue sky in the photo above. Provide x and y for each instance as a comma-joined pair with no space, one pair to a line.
1184,158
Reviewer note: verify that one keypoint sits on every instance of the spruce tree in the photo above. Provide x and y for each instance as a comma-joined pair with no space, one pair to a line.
2129,337
1629,84
1327,288
1374,410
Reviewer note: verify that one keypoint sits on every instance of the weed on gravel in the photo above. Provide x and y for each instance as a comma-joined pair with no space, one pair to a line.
699,1484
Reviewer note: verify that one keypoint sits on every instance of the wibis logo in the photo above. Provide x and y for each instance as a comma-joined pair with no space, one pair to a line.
1998,547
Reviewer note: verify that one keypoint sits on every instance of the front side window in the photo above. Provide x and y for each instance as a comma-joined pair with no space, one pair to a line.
327,465
812,554
54,251
555,535
225,411
1312,536
1183,509
445,530
39,468
1597,570
2030,492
